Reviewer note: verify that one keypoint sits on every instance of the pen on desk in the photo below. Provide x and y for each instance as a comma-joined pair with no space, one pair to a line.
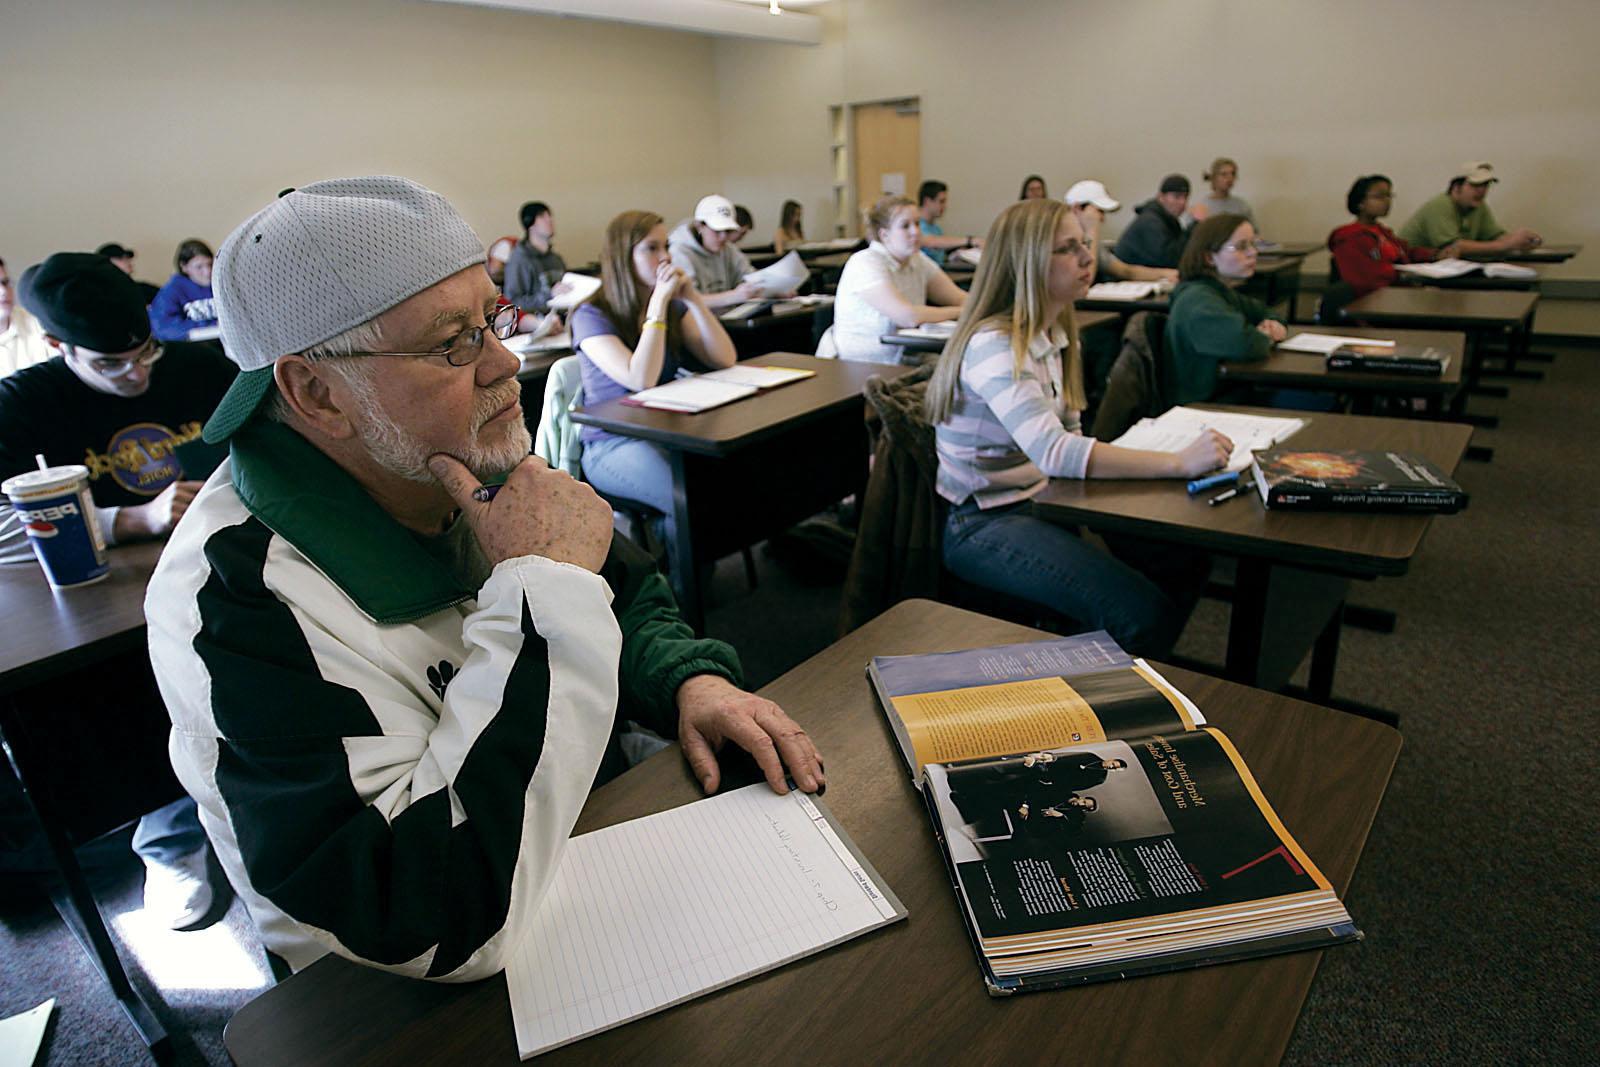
1211,481
1223,498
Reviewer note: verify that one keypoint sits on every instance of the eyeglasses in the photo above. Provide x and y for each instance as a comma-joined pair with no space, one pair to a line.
1241,246
465,347
117,366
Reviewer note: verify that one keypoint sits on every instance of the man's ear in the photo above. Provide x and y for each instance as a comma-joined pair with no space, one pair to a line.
316,396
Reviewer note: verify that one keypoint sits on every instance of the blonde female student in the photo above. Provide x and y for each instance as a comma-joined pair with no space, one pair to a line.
1005,402
889,285
646,323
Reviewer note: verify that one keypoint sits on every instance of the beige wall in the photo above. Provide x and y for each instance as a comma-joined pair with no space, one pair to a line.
147,121
1304,95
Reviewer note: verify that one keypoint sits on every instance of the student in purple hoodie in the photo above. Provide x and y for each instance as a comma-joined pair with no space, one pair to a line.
183,306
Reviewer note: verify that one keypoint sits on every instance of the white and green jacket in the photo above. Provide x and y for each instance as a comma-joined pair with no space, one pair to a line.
389,764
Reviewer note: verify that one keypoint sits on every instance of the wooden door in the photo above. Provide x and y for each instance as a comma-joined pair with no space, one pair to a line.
888,152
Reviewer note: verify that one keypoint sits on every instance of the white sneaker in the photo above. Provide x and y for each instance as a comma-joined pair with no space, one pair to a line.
180,894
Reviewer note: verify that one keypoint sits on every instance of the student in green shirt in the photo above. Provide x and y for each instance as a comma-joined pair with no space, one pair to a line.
1459,214
1209,321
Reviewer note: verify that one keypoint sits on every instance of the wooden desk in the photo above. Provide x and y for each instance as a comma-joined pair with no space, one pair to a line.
748,470
1541,254
1294,568
1303,370
1481,315
909,993
788,330
86,732
1087,320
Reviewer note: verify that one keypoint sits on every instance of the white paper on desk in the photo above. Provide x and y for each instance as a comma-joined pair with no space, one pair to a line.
937,330
1176,428
1439,268
650,913
784,276
1509,270
580,287
760,377
1323,343
966,255
1122,290
525,344
21,1034
692,395
836,244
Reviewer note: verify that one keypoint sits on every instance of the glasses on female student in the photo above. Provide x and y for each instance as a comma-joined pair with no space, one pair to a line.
1241,246
1077,248
465,347
117,366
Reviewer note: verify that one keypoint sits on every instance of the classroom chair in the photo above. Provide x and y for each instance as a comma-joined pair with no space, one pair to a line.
1138,386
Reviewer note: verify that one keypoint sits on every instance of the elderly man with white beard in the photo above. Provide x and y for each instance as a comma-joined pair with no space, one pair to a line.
396,648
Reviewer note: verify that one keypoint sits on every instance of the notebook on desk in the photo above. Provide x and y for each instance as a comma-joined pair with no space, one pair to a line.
1123,290
653,912
1176,428
702,392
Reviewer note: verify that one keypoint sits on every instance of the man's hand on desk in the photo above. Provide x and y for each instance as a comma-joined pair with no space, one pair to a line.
157,518
1275,330
712,710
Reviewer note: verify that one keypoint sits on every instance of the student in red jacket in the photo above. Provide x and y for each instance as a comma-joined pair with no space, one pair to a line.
1366,251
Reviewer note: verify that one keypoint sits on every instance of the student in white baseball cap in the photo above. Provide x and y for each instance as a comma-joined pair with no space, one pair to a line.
703,248
1091,203
391,684
1461,216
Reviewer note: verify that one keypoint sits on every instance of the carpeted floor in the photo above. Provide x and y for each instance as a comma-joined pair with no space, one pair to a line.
1476,889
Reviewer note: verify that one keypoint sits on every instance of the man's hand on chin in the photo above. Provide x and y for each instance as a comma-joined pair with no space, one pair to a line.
712,710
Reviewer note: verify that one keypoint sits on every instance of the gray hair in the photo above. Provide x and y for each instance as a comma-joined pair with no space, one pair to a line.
364,337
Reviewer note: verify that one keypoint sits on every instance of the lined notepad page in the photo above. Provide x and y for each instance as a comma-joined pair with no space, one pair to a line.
1176,428
653,912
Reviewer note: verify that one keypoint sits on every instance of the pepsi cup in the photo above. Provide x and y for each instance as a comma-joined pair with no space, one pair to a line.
58,514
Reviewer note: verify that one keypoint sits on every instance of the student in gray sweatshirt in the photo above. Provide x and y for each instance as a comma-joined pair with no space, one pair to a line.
703,248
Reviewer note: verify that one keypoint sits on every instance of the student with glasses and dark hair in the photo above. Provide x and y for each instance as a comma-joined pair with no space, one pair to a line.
1210,321
1365,251
107,403
182,310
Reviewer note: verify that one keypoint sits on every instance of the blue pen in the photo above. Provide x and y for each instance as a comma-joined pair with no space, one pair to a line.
1200,485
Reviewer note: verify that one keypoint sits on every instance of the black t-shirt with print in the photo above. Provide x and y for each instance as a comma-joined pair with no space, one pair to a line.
125,441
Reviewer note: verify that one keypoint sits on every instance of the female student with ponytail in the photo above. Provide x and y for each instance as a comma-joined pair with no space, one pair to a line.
646,321
1005,402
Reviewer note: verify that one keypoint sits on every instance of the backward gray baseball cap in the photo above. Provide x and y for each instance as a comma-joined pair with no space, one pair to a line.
319,260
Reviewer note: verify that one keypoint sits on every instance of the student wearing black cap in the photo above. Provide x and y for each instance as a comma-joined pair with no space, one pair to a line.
121,257
104,402
1155,237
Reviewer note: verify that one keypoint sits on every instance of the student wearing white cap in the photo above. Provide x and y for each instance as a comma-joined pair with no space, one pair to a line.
392,685
1460,216
703,247
1091,204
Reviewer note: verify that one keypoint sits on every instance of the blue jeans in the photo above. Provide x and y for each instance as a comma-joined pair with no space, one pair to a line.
167,834
638,470
1009,551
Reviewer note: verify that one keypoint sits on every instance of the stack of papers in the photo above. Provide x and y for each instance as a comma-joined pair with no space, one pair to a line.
1122,290
579,287
1176,429
1323,343
784,276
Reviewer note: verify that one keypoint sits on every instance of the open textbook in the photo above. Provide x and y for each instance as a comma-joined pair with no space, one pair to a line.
1123,290
1174,429
1094,826
1454,268
653,912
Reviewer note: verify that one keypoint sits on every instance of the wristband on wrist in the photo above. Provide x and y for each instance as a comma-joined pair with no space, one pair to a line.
657,324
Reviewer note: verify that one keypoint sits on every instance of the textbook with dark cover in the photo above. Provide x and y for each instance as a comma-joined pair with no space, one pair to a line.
1422,361
1353,481
1093,825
